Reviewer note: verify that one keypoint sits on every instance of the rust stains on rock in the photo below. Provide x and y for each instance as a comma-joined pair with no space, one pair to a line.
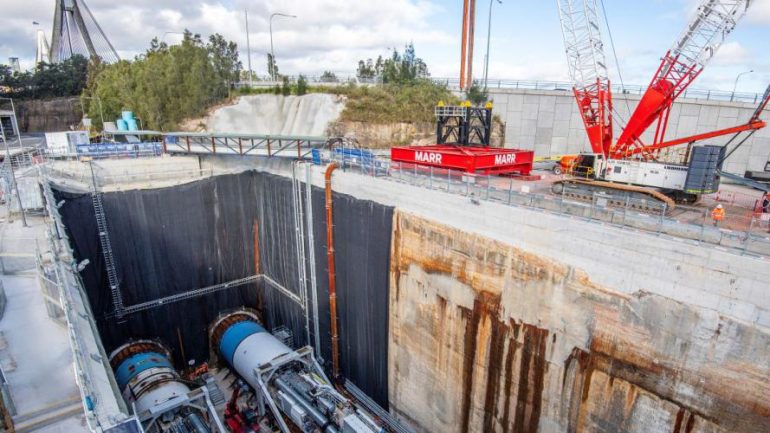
474,326
501,363
531,379
472,320
685,421
495,365
508,379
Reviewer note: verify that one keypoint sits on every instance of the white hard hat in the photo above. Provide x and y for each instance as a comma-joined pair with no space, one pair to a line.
719,206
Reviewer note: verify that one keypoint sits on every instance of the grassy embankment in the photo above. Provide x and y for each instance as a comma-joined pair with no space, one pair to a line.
390,103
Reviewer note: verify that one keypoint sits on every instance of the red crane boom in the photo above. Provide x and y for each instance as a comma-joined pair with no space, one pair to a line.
682,64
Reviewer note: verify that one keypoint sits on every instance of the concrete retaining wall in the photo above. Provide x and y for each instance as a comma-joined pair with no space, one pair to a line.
548,122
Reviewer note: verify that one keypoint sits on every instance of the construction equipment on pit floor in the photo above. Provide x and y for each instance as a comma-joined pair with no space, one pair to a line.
240,418
160,398
289,385
629,160
463,137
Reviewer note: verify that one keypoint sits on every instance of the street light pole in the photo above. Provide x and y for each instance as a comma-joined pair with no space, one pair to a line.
489,35
39,56
735,86
272,53
15,126
248,50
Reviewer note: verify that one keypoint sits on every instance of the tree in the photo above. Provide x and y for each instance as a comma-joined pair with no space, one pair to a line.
285,86
399,68
166,84
412,67
365,69
272,67
476,94
224,57
329,77
6,75
67,78
301,85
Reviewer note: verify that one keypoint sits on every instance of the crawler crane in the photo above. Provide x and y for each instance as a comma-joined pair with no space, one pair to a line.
629,165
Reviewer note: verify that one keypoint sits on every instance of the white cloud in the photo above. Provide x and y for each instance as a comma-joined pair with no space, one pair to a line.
327,34
731,53
759,12
335,34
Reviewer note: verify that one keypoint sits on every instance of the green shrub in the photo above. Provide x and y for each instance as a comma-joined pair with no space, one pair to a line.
285,86
476,94
301,85
166,84
414,102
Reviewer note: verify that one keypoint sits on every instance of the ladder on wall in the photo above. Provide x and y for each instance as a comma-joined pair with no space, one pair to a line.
104,242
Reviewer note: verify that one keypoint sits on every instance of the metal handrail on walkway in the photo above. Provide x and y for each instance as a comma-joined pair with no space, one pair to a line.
241,144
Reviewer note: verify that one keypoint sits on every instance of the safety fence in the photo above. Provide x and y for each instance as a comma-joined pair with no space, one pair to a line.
736,198
49,286
630,212
85,178
628,89
7,407
98,393
105,150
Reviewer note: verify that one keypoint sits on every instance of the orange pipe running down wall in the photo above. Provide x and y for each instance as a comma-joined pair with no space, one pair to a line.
332,276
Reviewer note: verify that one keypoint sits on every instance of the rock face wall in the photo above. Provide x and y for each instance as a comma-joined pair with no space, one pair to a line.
385,135
49,115
487,337
273,114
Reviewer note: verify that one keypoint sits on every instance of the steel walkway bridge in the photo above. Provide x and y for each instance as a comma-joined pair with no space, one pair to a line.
291,146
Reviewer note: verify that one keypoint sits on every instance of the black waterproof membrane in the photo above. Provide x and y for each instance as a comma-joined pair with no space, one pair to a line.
173,240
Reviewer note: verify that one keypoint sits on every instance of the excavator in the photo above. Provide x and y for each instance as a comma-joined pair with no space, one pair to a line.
633,165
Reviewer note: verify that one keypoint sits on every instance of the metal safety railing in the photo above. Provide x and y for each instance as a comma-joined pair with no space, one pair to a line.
745,235
88,354
628,89
82,176
508,83
242,144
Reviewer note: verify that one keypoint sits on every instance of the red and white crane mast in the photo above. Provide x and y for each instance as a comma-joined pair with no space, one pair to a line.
588,69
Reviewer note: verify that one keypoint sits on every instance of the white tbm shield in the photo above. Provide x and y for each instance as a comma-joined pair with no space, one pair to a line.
254,351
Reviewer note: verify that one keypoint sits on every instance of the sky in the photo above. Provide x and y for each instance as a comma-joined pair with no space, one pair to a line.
526,41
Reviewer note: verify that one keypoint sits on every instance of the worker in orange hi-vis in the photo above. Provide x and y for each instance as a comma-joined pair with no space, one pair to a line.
718,214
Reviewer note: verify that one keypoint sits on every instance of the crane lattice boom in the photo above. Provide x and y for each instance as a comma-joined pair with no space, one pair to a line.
713,21
588,70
